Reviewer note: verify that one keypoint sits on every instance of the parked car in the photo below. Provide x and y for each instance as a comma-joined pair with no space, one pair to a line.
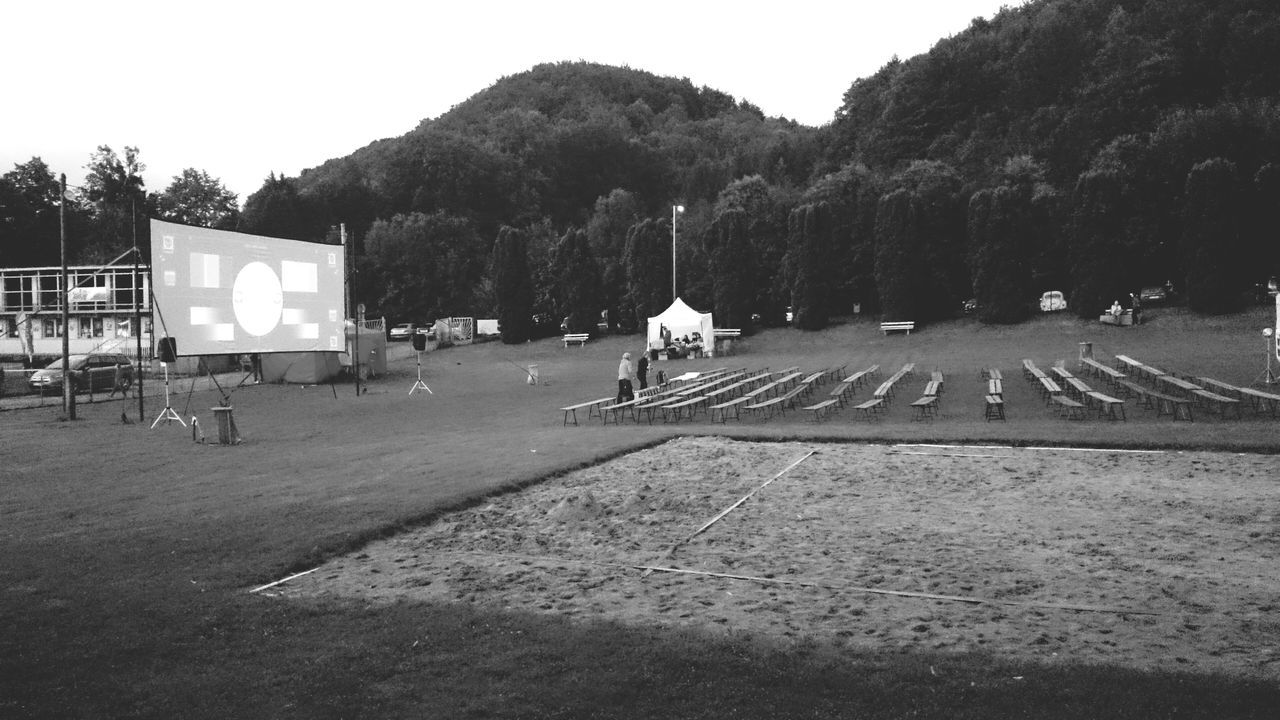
92,372
403,331
1154,295
1052,301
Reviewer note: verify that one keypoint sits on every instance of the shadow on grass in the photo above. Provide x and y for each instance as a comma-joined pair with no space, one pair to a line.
462,661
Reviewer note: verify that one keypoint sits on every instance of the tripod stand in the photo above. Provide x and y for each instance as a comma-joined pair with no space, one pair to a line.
419,385
1267,377
168,414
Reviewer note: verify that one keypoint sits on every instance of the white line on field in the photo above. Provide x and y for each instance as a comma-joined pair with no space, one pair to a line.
933,454
283,580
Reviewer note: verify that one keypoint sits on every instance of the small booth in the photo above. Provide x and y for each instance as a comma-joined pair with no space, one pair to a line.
677,321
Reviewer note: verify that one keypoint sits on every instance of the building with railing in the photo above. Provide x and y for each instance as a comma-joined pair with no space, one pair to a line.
100,311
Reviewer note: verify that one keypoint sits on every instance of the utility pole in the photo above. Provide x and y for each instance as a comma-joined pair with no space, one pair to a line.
68,393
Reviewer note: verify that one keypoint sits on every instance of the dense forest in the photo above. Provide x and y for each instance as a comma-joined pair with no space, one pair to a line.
1091,146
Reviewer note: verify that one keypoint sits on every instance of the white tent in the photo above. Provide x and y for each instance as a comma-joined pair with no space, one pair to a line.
682,320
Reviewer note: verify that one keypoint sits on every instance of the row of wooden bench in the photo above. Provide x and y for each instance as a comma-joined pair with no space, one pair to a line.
1086,398
1176,395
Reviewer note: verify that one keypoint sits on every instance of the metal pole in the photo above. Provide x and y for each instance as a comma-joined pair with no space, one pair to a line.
68,396
137,312
355,323
674,210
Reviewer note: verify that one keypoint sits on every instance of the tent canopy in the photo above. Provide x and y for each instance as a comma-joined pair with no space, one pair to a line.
681,320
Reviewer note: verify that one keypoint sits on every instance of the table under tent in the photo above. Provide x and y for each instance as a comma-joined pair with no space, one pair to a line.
681,320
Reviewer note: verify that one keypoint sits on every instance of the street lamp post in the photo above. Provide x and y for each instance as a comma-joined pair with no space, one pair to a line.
68,393
674,210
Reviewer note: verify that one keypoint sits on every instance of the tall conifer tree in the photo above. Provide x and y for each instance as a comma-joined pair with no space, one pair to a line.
513,286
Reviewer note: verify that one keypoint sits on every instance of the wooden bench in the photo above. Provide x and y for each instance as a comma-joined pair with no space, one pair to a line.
1218,386
593,406
1221,402
728,405
580,338
771,404
654,404
618,408
888,327
677,408
1070,409
995,387
861,377
1078,387
884,392
840,391
870,407
933,388
722,339
1177,407
1099,370
995,406
926,407
1029,369
822,408
1262,400
992,374
1108,406
1048,388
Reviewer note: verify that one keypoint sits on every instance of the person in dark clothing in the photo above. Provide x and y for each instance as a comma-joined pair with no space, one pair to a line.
642,370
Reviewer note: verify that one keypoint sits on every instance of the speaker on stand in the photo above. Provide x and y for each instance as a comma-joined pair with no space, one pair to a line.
168,351
419,344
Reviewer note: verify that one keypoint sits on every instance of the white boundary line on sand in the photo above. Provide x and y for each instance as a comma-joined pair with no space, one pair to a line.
281,581
1028,447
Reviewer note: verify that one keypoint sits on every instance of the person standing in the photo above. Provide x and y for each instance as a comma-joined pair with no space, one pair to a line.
625,373
642,370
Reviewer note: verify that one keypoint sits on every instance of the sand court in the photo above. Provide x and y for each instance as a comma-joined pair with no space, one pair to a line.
1138,559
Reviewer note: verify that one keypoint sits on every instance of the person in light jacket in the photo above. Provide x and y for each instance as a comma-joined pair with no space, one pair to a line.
625,373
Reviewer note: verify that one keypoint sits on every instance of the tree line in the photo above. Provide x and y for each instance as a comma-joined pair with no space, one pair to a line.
104,217
1089,146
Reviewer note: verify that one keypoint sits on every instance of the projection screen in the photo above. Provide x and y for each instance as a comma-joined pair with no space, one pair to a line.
220,292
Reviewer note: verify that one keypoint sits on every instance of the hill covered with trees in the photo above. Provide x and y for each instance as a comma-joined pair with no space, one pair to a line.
1092,146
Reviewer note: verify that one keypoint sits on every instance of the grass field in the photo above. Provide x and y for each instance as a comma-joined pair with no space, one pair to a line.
128,552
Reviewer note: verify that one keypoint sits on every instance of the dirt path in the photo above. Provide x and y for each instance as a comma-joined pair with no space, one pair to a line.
1175,552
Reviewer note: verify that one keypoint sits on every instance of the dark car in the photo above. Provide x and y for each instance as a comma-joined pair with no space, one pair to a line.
1153,295
92,372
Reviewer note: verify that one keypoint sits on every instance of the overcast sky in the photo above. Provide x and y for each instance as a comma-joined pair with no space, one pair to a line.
243,88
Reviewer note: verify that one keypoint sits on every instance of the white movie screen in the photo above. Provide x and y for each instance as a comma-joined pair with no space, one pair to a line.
222,292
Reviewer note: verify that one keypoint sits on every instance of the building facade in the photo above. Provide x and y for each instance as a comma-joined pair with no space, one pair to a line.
100,311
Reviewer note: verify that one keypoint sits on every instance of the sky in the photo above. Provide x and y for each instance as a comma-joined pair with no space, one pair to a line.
244,88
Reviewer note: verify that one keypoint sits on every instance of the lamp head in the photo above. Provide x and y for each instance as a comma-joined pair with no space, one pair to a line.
1267,331
679,208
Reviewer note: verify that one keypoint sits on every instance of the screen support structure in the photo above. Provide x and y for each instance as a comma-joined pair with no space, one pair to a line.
419,385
